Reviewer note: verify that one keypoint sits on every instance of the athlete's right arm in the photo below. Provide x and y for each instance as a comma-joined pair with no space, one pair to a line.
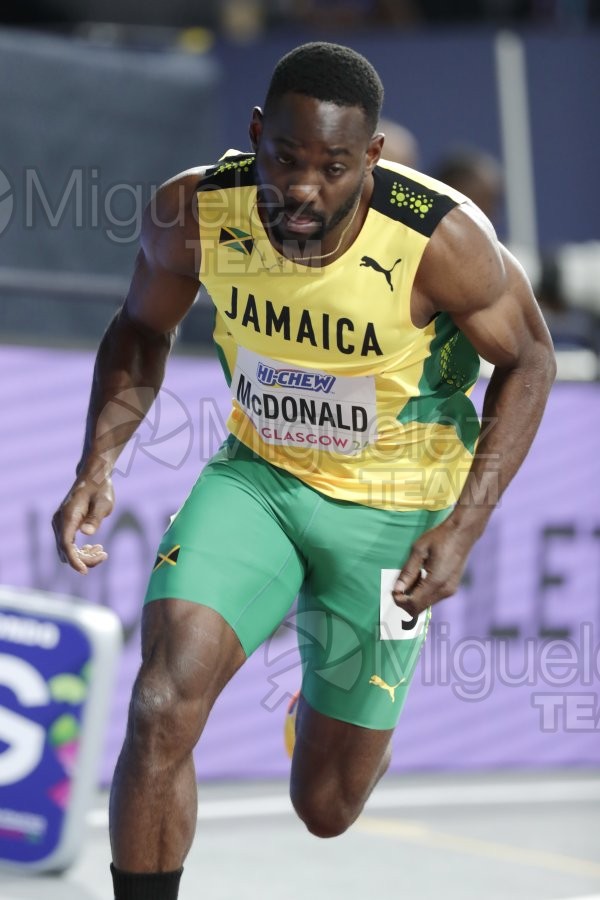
131,361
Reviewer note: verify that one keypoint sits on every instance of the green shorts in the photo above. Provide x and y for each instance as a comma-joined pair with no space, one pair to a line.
251,538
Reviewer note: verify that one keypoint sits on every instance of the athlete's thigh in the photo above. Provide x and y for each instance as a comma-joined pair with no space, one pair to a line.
226,551
357,667
189,653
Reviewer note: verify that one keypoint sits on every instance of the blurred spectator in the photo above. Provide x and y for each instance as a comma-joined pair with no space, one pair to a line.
571,327
476,174
400,145
479,176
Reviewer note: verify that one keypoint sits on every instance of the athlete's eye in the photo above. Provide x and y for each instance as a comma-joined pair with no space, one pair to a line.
336,169
283,160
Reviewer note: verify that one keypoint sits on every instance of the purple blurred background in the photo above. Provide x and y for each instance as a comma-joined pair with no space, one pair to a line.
490,690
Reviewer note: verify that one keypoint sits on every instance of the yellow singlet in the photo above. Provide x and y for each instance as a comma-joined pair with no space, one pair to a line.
330,379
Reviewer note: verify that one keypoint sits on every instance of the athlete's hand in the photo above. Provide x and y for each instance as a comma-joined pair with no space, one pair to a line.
88,502
434,567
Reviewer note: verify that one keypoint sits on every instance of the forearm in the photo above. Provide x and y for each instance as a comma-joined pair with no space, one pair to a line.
513,407
128,373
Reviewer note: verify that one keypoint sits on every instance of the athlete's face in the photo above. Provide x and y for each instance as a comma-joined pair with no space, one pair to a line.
312,162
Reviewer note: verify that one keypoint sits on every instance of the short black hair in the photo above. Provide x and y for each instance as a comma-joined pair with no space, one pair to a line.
332,73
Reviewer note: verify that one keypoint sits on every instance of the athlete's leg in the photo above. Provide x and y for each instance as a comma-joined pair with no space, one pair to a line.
357,662
230,575
335,767
189,653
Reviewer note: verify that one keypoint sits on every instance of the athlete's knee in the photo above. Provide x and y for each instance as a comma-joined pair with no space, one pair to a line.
330,806
189,653
165,720
325,817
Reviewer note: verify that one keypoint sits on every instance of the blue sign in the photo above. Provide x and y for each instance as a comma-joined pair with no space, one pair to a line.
45,668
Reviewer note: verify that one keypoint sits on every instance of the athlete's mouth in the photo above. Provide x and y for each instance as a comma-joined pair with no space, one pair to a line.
301,223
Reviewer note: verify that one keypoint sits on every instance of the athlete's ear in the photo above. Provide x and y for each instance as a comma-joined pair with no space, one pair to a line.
374,151
256,126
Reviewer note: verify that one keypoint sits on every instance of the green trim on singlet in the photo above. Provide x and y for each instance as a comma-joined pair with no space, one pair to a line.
450,370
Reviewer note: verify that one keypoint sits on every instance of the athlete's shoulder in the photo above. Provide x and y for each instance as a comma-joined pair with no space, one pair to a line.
233,168
169,234
411,197
176,195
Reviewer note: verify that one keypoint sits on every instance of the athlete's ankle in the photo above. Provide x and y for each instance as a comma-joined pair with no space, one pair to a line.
145,885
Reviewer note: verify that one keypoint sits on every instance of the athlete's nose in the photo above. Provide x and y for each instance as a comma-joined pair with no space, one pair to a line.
302,194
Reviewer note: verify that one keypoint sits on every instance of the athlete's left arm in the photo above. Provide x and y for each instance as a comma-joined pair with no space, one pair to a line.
467,273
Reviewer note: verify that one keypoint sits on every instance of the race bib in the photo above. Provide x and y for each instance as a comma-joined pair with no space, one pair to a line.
297,407
395,624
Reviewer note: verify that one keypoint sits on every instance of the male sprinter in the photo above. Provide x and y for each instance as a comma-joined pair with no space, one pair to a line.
352,298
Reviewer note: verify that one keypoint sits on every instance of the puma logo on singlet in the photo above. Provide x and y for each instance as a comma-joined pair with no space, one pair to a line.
371,263
390,688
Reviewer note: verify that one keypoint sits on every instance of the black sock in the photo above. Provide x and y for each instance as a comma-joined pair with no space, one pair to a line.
145,885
